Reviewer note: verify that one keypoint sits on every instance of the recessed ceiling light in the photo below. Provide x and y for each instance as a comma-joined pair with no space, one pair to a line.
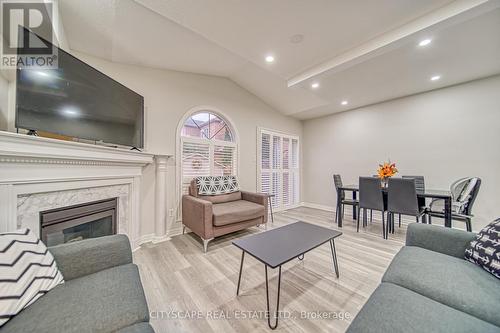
344,103
269,58
296,39
315,85
425,42
435,77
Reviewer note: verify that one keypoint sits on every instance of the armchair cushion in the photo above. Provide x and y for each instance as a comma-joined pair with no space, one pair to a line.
216,185
236,211
216,199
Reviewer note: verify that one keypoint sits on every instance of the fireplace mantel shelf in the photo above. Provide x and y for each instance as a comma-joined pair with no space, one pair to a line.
21,148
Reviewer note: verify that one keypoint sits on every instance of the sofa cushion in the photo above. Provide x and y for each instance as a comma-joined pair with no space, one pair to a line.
105,301
449,280
28,271
216,199
392,308
236,211
484,251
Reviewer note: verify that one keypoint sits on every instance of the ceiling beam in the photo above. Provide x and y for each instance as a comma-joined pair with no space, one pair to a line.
369,49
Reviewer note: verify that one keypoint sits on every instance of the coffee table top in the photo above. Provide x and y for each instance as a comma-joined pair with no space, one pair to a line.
278,246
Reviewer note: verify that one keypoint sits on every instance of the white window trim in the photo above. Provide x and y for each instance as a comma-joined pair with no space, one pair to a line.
271,132
179,142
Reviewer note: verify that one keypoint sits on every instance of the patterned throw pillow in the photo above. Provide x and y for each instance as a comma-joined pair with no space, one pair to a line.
28,271
485,249
215,185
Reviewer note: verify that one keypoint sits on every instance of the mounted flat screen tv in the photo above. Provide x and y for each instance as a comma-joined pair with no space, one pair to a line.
78,101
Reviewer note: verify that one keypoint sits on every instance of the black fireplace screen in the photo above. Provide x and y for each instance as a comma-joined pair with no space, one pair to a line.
75,223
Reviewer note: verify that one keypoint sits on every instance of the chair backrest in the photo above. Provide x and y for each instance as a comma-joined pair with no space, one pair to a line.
337,181
419,182
370,193
457,187
402,196
468,195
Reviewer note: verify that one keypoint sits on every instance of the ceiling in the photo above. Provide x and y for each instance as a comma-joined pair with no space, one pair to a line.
361,51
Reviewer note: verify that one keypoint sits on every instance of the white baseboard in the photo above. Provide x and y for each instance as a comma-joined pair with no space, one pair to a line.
404,219
317,206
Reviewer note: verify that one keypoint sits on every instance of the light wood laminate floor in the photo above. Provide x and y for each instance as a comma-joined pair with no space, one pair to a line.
189,291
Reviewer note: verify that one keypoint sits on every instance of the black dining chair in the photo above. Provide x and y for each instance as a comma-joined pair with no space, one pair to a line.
420,186
402,199
341,199
464,194
371,197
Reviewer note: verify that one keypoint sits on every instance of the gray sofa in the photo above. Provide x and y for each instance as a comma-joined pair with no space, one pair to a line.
429,287
102,292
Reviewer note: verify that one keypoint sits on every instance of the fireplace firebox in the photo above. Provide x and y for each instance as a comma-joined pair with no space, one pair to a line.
75,223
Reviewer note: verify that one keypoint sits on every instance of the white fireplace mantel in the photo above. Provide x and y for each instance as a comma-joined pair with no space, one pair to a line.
16,147
35,165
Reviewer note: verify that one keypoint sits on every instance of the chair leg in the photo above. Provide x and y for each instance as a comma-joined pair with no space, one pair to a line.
343,211
468,225
388,226
205,244
359,218
336,213
383,224
428,219
400,220
371,215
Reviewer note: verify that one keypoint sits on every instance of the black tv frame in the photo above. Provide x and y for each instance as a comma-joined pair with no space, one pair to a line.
18,71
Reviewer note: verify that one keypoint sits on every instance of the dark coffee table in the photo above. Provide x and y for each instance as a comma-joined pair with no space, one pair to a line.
278,246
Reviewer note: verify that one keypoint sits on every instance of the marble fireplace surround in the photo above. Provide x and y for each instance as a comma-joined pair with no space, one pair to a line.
38,174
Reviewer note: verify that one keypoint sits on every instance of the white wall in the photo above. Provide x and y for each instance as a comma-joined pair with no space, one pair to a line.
444,135
169,95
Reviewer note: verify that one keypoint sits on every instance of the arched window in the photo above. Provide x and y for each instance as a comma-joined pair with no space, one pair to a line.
208,147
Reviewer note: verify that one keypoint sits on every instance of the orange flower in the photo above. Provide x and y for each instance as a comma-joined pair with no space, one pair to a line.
387,169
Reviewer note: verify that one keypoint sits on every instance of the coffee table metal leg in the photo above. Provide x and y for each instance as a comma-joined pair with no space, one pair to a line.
241,269
334,256
276,316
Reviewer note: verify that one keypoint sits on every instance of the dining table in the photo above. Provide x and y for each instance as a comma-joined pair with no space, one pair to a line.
445,195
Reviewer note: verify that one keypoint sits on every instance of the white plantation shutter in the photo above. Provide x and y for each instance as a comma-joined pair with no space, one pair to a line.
278,168
195,162
224,161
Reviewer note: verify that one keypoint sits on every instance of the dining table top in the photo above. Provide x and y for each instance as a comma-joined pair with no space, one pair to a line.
427,193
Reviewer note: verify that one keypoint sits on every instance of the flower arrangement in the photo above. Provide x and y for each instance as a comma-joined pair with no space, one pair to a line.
386,170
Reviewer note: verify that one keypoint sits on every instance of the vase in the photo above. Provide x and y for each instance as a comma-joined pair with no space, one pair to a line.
384,181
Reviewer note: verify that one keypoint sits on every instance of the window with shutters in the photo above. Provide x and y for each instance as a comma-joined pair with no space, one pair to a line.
278,168
208,148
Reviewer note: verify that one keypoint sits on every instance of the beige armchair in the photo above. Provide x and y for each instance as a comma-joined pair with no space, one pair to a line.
217,215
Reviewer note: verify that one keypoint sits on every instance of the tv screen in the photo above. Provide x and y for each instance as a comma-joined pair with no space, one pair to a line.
77,100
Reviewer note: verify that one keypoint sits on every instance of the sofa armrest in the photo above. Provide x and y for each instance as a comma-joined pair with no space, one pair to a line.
258,198
448,241
89,256
197,216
